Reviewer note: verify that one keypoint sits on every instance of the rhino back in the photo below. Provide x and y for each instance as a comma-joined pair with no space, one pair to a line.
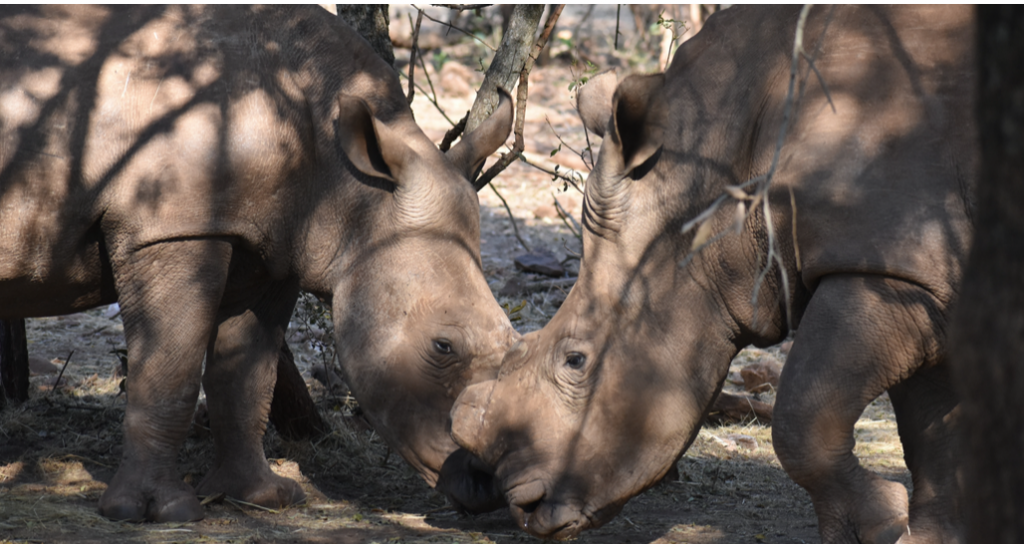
881,183
122,128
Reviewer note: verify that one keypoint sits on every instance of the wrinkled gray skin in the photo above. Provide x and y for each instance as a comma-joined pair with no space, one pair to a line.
201,165
597,406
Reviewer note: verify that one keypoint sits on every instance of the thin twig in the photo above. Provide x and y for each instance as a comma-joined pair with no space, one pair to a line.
61,375
412,53
618,12
821,80
568,179
511,217
773,254
763,183
451,26
433,100
580,154
575,228
430,82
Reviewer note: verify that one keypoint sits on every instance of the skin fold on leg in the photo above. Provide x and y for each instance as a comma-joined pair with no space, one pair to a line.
860,335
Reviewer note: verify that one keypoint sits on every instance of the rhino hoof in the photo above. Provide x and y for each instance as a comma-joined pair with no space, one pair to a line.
174,506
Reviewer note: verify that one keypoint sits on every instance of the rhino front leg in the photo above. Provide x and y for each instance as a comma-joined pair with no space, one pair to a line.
860,335
241,370
169,295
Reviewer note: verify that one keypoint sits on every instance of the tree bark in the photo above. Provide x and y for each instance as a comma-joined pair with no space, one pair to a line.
508,62
987,338
13,362
371,21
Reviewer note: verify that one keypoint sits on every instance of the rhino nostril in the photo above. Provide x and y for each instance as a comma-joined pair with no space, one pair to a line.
532,507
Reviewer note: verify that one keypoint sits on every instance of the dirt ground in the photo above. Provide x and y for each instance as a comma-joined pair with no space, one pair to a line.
58,450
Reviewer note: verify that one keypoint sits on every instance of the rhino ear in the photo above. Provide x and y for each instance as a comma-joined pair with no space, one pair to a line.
594,101
357,132
638,121
473,149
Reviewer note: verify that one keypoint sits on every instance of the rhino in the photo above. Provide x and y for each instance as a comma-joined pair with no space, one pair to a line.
203,165
869,220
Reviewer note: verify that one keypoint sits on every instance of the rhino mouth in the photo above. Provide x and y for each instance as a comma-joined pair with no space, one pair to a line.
545,518
470,484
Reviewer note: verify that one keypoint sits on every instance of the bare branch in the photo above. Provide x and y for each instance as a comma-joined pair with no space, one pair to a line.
433,100
521,99
507,63
573,177
462,7
412,53
451,26
563,143
575,227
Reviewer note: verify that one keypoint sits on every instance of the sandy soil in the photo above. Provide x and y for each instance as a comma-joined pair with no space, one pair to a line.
58,450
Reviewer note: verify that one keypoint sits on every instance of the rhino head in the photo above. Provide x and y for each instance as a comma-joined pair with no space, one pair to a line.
415,321
599,404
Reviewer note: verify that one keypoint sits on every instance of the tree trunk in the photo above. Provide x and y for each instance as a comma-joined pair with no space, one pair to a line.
13,362
508,62
987,338
371,21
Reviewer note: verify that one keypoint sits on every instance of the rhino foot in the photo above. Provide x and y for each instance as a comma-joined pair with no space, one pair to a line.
166,502
263,488
876,515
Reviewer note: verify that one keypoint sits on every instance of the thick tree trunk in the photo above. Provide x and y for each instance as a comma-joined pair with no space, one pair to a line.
371,21
987,341
508,62
13,362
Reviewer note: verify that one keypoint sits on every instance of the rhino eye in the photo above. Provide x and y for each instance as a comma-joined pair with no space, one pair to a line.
443,347
575,360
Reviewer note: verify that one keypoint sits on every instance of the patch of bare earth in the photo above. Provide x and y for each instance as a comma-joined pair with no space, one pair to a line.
58,450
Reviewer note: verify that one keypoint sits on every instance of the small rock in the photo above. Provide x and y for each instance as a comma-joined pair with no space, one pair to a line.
762,375
744,441
37,366
512,287
540,263
728,444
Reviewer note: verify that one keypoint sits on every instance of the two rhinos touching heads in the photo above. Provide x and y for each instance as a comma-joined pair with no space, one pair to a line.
257,152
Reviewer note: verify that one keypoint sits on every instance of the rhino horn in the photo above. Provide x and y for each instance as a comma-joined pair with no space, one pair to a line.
469,154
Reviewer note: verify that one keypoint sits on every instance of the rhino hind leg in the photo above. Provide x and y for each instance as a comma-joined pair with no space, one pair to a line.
925,406
169,294
860,336
239,382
